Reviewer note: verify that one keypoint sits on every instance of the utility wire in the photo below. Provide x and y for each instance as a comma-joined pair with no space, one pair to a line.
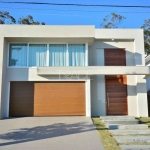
61,15
90,11
67,4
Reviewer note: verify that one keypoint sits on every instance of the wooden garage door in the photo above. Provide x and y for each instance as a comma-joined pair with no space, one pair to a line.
59,99
21,99
47,99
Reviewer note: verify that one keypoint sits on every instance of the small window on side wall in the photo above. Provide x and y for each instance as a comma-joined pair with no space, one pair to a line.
18,55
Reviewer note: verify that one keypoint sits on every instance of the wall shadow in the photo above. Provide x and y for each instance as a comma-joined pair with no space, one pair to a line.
22,135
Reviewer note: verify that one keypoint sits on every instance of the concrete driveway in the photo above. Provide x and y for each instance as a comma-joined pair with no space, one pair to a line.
49,133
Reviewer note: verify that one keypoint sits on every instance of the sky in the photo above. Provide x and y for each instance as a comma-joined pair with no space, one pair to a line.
72,15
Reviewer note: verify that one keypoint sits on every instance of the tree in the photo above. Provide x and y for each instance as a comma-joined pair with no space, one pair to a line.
29,21
146,27
112,21
6,18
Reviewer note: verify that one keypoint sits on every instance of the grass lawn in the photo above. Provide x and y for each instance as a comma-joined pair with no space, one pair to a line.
108,141
145,120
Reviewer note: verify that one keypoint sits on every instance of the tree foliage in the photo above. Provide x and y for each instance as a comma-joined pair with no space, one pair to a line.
112,21
146,27
6,18
29,21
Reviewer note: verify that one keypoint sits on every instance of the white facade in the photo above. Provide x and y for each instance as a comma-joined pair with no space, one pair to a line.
96,40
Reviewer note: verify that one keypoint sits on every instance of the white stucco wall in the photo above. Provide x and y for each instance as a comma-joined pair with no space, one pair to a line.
1,72
98,102
5,84
48,31
140,81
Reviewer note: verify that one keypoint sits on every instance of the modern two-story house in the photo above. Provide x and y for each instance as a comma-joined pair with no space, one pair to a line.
71,71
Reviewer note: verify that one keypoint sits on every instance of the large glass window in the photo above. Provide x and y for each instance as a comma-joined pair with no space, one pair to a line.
18,55
28,55
37,54
76,54
57,54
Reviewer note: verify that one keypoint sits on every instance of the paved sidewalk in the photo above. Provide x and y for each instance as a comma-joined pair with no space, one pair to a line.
49,133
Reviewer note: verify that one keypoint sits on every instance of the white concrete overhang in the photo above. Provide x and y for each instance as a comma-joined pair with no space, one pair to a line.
71,40
48,33
94,70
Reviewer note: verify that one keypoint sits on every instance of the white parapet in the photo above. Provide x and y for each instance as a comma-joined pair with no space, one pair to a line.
94,70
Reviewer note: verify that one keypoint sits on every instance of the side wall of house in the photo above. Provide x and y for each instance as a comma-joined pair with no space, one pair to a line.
148,84
147,63
140,81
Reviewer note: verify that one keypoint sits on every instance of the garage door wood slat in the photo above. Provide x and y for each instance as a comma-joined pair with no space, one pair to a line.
68,90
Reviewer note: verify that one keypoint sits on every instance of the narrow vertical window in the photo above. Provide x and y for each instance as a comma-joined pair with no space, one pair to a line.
57,54
37,54
18,55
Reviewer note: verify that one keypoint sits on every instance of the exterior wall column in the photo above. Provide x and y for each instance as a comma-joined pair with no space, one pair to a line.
142,106
88,97
1,72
